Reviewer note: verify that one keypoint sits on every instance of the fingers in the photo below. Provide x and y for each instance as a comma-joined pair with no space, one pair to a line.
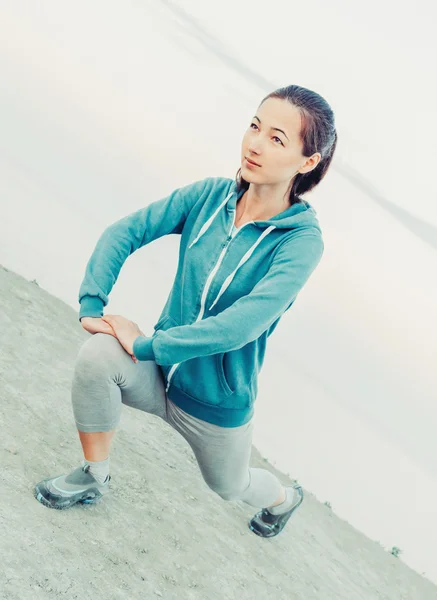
114,320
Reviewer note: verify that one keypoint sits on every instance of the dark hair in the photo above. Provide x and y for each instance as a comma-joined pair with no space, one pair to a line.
318,134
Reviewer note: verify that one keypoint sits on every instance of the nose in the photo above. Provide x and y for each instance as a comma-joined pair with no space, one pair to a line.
255,148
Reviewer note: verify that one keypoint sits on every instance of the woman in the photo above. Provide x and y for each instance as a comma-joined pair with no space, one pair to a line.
247,248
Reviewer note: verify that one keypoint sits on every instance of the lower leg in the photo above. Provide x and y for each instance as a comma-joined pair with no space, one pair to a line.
281,498
96,445
265,490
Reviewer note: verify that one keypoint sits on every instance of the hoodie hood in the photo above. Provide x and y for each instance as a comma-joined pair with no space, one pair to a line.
300,215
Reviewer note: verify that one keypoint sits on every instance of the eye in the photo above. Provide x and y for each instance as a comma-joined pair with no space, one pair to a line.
275,137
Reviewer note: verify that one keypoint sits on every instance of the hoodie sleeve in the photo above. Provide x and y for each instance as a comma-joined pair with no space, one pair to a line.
123,237
247,318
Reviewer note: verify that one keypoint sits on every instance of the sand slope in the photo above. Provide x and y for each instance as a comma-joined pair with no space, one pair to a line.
161,533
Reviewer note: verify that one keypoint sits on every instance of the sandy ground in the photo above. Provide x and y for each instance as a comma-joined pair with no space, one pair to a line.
162,532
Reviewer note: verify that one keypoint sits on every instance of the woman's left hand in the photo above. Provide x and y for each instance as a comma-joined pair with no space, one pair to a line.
126,332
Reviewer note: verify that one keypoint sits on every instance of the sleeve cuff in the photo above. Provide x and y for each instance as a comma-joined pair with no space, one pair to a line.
91,306
143,349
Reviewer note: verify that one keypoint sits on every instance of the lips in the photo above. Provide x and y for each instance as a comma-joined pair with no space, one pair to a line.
252,162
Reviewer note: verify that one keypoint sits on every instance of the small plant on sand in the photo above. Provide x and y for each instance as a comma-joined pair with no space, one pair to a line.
395,551
328,504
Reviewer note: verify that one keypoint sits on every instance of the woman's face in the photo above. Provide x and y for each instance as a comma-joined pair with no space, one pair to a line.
273,142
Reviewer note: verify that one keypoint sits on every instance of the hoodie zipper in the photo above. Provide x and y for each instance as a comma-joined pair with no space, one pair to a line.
208,283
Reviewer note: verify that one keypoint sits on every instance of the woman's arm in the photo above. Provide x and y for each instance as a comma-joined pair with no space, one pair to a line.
248,317
123,237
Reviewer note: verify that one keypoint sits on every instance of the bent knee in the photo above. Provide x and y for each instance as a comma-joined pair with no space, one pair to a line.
99,349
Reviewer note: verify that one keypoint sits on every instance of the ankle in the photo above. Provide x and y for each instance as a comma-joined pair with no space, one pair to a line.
98,469
281,498
286,504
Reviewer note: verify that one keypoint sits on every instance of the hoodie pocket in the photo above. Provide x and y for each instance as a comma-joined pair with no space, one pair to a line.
203,379
220,360
162,322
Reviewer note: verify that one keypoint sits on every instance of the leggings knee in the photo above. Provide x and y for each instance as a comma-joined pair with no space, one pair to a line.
97,354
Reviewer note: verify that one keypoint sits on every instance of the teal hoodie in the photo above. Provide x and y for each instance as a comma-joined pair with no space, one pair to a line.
230,290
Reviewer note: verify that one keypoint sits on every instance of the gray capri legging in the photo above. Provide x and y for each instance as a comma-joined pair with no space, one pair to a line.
105,377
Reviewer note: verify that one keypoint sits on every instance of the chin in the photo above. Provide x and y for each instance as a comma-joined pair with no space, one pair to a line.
248,173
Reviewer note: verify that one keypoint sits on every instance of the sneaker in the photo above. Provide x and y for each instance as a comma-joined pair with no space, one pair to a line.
265,524
65,490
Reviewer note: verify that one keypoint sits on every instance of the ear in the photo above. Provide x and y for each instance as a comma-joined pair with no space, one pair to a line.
310,163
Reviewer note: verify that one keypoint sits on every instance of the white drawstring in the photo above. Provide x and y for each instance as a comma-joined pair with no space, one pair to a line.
245,258
207,223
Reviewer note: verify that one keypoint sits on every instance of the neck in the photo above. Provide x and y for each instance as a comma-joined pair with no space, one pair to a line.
261,202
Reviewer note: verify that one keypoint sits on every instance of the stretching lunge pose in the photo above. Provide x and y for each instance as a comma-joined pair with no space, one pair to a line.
248,245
